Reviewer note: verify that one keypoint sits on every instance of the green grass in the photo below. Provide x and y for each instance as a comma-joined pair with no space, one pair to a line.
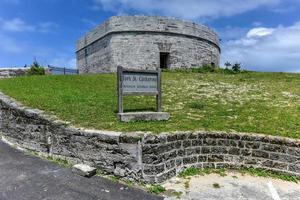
267,173
156,189
193,171
266,103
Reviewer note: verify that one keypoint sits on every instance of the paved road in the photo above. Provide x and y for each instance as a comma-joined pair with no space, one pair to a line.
234,186
24,177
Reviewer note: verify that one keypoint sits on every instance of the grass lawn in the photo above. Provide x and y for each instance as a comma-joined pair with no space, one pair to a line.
248,102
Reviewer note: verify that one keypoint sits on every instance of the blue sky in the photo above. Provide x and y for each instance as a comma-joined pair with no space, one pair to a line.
263,35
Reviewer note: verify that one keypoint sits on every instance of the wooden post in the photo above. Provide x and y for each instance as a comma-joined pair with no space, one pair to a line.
120,92
64,70
158,96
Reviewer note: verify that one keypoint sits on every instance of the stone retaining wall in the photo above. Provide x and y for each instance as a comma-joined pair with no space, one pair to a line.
167,154
145,156
32,129
12,72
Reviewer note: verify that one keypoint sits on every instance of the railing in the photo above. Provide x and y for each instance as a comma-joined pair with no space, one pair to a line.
62,70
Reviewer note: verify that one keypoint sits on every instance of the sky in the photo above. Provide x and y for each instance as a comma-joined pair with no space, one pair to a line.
262,35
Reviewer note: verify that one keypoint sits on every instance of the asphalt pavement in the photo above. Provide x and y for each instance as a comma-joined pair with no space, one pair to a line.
25,177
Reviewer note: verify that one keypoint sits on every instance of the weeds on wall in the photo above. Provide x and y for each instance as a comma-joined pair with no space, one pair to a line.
235,68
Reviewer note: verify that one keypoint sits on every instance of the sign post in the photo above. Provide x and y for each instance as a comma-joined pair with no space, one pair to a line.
140,82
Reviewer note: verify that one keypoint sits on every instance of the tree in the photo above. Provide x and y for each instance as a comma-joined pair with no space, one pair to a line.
36,69
236,67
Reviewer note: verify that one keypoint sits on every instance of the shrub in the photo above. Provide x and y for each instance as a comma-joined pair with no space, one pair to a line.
207,68
36,69
211,68
236,67
233,69
228,65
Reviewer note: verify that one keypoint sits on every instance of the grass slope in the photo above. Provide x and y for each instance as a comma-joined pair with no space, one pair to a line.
249,102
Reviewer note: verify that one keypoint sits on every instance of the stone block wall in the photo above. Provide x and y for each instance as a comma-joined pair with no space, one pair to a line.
97,54
145,156
12,72
136,42
142,51
166,155
32,129
118,24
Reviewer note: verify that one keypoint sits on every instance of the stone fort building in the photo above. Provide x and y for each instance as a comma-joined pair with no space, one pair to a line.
145,42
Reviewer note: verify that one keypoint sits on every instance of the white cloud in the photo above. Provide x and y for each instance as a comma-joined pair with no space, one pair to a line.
266,49
15,25
46,27
11,44
188,9
259,32
19,25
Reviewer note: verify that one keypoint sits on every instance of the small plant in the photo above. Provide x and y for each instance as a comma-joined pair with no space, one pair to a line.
216,185
267,173
100,172
232,68
187,184
207,68
36,69
177,194
196,105
54,159
156,189
191,171
59,161
114,179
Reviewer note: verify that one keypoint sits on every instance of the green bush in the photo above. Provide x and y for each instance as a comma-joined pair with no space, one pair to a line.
206,69
211,68
36,69
236,67
156,189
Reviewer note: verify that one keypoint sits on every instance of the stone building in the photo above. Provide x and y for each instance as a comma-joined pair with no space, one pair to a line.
146,42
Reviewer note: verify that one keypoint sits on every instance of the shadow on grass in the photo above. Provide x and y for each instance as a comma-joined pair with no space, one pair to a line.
138,110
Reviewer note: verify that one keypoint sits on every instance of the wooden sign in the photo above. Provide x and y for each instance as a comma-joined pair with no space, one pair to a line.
138,82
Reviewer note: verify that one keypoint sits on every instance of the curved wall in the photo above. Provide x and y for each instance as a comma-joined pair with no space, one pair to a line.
118,24
166,155
136,41
145,156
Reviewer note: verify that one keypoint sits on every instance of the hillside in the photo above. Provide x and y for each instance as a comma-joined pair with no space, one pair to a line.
266,103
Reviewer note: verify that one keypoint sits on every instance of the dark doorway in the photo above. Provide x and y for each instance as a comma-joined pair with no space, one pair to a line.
164,60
